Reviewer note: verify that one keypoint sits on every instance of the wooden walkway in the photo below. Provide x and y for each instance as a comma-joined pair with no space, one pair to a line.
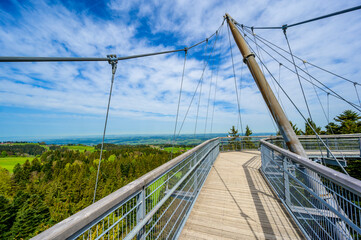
236,203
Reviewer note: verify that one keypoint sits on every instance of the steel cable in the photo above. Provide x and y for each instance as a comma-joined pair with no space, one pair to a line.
179,99
309,20
235,83
304,118
298,76
334,93
114,68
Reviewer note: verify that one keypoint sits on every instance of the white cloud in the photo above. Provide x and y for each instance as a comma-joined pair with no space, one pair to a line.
148,88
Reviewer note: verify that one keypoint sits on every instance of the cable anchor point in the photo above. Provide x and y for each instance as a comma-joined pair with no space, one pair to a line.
284,28
113,60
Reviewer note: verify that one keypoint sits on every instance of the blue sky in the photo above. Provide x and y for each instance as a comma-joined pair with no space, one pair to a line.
69,99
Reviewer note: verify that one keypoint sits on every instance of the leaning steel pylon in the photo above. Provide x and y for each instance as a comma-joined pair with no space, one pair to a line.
289,136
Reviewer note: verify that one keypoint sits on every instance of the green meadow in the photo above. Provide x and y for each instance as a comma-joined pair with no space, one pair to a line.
9,162
177,149
81,148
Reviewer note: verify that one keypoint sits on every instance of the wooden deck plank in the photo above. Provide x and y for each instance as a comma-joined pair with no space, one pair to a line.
236,203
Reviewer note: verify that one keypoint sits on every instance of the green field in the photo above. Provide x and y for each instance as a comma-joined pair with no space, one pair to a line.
177,149
10,162
80,148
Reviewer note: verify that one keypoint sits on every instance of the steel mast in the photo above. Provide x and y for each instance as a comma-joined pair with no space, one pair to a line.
273,105
294,145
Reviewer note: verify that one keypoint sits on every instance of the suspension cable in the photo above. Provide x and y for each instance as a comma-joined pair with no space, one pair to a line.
314,88
113,61
235,83
263,40
327,119
330,90
195,91
311,20
312,85
260,56
304,118
328,107
358,97
298,76
215,87
179,99
200,89
209,95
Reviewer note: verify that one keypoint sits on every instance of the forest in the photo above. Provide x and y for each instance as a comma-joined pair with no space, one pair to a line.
60,182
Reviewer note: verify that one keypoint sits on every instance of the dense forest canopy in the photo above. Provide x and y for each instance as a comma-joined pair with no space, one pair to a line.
60,182
18,150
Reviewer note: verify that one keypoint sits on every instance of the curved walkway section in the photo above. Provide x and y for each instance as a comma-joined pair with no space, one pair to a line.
236,203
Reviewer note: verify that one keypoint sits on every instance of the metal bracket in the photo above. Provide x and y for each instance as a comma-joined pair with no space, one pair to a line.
246,57
113,60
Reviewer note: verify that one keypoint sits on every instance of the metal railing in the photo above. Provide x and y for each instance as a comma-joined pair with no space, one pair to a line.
324,203
348,145
240,143
155,206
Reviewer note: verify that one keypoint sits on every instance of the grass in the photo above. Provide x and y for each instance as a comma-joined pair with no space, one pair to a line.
81,148
177,149
9,162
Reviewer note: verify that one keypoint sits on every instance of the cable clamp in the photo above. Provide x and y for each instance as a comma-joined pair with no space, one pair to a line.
304,61
284,28
245,59
185,50
113,60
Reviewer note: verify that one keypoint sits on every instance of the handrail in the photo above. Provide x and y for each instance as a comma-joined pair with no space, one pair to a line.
324,203
81,219
341,178
356,135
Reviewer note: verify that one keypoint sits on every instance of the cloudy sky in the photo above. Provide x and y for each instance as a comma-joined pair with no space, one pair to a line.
69,99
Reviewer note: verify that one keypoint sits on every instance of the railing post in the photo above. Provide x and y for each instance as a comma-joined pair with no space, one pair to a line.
328,147
263,157
141,212
284,145
286,182
195,180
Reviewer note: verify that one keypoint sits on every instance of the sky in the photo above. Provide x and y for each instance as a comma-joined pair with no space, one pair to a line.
70,99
